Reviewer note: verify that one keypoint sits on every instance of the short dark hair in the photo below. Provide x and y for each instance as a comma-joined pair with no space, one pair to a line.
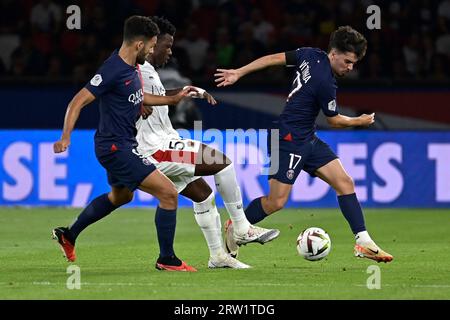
347,39
164,25
139,27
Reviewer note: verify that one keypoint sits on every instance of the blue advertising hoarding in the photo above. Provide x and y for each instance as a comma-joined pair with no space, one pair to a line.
390,169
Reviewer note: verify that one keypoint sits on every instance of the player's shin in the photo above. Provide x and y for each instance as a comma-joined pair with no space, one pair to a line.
208,219
352,211
228,188
165,221
97,209
255,212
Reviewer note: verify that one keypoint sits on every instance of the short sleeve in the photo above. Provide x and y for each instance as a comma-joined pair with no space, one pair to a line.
291,58
327,98
147,77
295,57
101,82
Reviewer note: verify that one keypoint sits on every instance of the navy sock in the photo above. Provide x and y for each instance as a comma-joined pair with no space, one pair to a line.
352,211
255,212
99,208
165,221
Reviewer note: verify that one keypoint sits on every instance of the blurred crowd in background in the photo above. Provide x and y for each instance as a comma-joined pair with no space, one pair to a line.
413,43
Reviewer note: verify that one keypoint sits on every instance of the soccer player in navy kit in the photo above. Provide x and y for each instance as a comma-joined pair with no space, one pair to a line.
313,89
118,86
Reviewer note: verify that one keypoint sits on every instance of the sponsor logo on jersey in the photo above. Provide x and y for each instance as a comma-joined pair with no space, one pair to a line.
137,97
332,105
96,80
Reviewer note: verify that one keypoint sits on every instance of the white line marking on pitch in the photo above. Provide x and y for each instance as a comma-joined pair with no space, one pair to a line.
147,284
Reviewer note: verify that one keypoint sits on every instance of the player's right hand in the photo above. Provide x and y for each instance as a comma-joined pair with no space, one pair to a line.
146,111
226,77
180,95
61,145
367,119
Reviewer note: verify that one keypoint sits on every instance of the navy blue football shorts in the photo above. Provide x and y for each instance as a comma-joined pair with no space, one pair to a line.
124,166
293,158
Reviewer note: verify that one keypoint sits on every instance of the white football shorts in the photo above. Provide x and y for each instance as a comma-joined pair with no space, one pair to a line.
176,159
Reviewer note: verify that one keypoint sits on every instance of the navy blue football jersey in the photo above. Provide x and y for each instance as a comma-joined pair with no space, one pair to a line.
313,89
118,87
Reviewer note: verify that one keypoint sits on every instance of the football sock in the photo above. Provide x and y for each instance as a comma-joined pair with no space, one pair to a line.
97,209
352,211
228,188
171,261
363,237
165,221
208,219
255,212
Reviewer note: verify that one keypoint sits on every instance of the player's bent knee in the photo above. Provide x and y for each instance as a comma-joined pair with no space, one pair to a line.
345,185
222,163
169,199
348,182
227,161
121,199
274,205
279,203
171,195
203,195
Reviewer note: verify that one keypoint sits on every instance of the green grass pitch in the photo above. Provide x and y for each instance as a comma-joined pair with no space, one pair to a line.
116,258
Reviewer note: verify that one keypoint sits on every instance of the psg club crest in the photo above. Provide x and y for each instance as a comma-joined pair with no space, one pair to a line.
146,161
290,174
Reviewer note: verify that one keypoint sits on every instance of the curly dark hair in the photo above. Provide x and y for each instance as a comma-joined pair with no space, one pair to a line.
164,25
347,39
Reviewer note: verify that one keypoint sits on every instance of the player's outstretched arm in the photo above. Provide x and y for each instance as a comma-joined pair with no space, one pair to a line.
194,92
341,121
154,100
81,99
226,77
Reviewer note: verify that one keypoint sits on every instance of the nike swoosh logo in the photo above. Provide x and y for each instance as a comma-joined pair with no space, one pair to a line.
128,82
376,252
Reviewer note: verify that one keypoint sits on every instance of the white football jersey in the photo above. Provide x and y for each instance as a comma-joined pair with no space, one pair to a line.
157,128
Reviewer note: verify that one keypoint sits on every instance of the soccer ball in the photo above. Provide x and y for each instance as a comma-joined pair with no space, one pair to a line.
313,244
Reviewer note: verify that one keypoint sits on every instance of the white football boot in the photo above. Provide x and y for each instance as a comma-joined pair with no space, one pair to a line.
254,234
226,261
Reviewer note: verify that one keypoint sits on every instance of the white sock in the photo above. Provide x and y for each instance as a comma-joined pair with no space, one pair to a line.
228,188
208,219
363,237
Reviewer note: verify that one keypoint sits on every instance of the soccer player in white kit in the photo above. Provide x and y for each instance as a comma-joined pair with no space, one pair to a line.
184,162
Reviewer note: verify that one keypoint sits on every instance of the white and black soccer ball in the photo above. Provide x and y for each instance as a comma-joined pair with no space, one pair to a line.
313,244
